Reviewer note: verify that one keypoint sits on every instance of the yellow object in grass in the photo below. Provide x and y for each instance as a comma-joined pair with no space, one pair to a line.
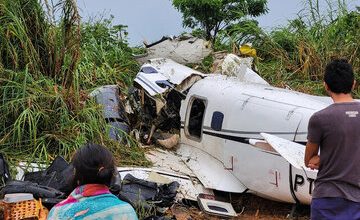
247,50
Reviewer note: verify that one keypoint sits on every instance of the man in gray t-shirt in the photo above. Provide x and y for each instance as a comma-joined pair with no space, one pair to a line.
335,130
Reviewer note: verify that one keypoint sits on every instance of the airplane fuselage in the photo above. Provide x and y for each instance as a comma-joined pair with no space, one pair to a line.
221,114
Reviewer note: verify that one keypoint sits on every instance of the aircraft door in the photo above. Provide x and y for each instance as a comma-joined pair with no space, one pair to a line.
194,119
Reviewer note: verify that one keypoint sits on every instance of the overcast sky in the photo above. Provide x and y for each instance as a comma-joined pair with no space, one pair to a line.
149,20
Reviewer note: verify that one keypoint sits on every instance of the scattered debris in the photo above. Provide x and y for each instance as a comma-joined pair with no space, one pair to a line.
183,49
161,75
170,142
209,205
114,111
159,88
196,117
241,68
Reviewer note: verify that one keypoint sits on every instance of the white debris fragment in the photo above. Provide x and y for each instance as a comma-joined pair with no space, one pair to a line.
241,68
184,49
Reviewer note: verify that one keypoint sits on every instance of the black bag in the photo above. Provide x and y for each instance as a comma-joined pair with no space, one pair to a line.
58,176
37,190
4,171
145,193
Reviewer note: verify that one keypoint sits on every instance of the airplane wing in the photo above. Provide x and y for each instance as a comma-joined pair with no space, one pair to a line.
193,162
293,152
209,170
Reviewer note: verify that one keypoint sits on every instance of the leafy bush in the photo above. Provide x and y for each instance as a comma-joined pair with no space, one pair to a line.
295,55
47,68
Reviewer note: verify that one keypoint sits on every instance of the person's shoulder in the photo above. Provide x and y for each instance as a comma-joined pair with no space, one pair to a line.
326,111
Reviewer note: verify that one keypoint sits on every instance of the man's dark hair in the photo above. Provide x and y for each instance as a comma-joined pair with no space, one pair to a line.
339,76
94,164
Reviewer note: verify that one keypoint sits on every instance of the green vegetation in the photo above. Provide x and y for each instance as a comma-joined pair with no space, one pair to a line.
215,15
50,61
47,68
295,55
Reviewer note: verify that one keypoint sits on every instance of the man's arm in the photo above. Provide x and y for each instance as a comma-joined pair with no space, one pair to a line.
312,159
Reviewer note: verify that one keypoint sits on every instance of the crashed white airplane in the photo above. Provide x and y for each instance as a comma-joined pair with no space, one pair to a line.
238,134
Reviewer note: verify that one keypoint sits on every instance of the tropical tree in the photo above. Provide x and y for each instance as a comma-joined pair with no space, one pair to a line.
214,15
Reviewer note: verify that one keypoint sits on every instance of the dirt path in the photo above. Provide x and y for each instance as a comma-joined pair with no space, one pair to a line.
248,207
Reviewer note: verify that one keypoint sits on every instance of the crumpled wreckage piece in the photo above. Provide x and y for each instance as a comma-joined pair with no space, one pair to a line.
159,88
161,75
169,142
114,111
241,68
183,49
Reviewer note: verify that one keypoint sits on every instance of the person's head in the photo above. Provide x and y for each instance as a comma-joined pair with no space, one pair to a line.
93,164
339,76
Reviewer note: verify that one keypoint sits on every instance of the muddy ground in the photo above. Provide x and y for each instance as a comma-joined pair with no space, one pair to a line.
248,207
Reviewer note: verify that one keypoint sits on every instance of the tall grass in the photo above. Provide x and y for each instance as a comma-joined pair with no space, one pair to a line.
106,57
49,62
295,55
29,40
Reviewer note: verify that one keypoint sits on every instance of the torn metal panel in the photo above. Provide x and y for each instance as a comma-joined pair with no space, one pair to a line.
175,72
117,130
303,177
108,97
241,68
324,99
214,207
159,87
153,82
168,161
185,49
23,167
160,75
188,82
114,112
291,151
210,171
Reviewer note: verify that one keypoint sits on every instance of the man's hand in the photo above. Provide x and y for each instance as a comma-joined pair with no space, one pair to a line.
314,163
312,151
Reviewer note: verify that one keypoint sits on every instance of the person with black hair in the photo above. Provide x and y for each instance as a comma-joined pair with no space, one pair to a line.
94,168
335,131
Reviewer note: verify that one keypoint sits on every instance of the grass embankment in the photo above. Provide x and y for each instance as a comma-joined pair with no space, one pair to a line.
49,62
296,54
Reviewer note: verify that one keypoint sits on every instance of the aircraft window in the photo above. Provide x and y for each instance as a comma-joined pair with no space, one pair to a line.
163,84
148,69
196,118
217,208
217,120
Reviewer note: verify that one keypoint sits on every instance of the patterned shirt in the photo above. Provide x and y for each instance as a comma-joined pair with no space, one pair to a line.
92,201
